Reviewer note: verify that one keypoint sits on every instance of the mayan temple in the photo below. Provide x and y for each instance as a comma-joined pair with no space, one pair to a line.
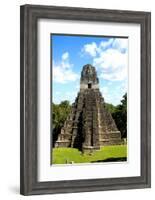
89,125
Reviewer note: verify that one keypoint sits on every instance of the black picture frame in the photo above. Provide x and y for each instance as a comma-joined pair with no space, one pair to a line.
29,15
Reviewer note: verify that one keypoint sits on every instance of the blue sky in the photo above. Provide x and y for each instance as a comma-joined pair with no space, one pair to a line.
109,55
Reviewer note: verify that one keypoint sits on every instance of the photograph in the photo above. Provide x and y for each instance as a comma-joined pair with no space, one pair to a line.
85,99
89,85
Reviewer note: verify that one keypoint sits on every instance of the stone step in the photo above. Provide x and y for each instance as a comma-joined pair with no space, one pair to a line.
95,124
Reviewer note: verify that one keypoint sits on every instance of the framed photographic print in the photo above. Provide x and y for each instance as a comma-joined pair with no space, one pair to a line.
85,99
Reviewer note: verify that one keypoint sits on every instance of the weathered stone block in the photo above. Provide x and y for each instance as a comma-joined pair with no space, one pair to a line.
89,124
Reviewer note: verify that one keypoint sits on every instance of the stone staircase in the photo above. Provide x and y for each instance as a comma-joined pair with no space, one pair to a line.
89,125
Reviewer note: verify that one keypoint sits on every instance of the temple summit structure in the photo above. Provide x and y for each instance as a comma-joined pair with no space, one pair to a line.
89,125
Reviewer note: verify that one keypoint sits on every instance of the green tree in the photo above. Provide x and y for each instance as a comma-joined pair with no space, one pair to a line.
111,108
120,116
59,115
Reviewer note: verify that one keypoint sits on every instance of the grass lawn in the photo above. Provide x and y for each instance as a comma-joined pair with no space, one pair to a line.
105,154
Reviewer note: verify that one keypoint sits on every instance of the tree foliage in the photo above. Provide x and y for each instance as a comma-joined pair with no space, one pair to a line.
110,107
120,116
59,115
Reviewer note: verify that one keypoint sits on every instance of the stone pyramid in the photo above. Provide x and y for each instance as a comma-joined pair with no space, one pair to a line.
89,125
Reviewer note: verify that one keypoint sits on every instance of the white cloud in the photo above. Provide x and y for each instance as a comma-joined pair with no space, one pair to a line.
112,64
105,93
91,49
110,58
105,44
70,96
122,87
120,44
65,56
113,94
62,71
